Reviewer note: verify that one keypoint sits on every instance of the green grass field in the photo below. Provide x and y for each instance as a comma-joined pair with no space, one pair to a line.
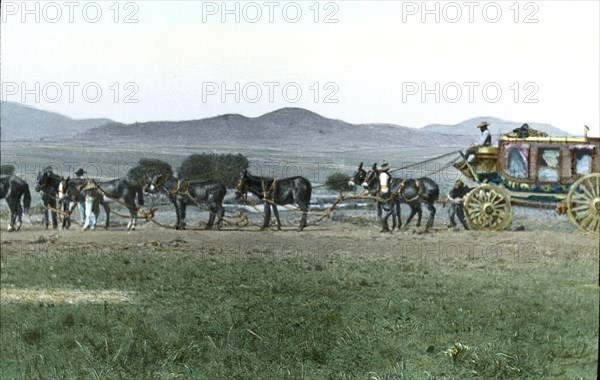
219,312
288,306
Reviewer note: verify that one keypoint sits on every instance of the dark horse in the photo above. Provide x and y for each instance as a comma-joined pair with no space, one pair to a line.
117,190
411,191
357,180
13,188
183,193
274,191
47,182
70,194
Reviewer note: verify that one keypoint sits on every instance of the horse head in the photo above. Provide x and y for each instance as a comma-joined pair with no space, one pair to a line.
358,177
68,189
371,178
63,187
41,181
154,184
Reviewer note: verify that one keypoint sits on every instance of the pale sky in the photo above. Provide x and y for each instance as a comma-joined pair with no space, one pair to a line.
376,63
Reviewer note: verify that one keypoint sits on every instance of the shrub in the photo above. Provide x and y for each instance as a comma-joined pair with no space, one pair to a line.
225,168
147,168
338,182
7,169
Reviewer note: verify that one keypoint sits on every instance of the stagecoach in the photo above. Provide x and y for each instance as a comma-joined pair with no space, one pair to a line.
542,172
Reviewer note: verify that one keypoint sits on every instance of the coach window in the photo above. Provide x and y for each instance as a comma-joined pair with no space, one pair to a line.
516,161
548,164
582,161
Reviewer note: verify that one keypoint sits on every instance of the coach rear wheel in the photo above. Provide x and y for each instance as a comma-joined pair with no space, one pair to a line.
583,203
487,208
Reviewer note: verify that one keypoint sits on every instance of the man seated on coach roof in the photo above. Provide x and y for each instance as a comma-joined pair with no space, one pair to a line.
484,140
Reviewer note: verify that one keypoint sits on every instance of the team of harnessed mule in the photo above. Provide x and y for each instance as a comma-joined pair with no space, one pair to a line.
61,196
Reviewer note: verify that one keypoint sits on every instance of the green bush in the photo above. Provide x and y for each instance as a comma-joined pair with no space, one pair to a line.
147,168
7,169
338,182
225,168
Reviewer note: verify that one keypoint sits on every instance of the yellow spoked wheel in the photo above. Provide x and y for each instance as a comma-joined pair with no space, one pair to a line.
487,208
583,203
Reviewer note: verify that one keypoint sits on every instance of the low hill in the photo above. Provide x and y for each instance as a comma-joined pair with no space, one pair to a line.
21,122
283,127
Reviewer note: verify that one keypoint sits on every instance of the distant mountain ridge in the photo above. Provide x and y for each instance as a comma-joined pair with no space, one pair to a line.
497,127
21,122
283,127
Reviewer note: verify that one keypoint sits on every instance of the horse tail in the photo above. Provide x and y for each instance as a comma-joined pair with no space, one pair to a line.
26,199
140,193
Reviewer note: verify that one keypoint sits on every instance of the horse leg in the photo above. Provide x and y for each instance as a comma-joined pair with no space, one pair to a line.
431,209
46,218
419,214
54,215
18,216
182,210
397,220
384,223
304,208
413,212
177,213
65,218
14,206
107,212
13,214
132,212
267,219
54,220
276,213
211,217
70,207
220,212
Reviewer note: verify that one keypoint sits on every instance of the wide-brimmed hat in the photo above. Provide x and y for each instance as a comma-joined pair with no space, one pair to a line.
80,172
483,124
385,167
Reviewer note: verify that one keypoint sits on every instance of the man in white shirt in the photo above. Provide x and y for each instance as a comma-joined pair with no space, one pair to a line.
384,178
484,140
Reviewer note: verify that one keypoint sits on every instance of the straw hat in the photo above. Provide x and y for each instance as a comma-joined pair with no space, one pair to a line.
483,124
